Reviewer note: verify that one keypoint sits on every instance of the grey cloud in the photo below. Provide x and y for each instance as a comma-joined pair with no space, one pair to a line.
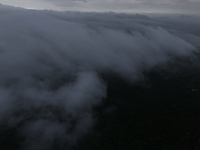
51,65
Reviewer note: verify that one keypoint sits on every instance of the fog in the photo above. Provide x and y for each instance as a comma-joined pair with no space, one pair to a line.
51,66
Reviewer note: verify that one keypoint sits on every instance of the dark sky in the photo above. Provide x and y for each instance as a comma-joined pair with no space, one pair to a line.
130,6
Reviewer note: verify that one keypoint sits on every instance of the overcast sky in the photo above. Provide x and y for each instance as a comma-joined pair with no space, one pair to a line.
141,6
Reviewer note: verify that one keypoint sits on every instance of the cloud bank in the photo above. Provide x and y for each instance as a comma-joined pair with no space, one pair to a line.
51,65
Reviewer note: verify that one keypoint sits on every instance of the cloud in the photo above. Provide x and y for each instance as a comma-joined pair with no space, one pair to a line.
51,65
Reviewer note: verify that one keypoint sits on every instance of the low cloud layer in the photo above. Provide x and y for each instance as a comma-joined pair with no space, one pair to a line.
51,65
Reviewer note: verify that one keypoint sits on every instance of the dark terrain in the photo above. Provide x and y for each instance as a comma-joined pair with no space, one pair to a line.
160,112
